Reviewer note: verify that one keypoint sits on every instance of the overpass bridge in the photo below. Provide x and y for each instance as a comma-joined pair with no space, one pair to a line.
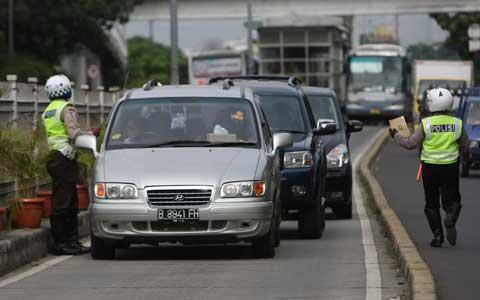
220,9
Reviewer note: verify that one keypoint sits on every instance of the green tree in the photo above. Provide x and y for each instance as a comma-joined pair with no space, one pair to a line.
437,51
457,25
45,30
148,60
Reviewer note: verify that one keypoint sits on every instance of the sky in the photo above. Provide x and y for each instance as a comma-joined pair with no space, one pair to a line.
196,34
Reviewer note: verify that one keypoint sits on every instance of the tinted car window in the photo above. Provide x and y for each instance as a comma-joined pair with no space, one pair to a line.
473,114
283,113
323,107
143,122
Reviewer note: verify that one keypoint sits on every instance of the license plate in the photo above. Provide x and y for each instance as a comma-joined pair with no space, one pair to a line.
375,111
178,214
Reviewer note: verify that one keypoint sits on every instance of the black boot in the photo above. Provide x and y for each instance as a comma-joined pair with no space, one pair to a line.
60,244
435,221
451,217
437,240
72,234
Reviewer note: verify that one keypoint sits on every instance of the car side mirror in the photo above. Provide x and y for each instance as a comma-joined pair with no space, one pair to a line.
88,142
282,140
325,128
354,126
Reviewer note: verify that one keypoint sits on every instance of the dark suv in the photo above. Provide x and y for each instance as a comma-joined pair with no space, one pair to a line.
326,109
304,164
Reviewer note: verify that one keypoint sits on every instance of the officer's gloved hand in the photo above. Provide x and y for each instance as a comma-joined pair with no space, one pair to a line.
392,131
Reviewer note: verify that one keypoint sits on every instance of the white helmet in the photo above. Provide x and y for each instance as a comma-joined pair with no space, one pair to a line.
439,99
58,87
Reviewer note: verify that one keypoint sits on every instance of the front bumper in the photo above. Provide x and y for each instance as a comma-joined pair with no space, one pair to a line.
293,181
218,222
364,110
339,186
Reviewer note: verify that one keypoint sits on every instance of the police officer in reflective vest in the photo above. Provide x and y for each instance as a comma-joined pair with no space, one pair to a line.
61,125
442,138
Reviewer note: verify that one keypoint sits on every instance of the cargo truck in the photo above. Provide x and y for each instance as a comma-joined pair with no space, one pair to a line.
427,74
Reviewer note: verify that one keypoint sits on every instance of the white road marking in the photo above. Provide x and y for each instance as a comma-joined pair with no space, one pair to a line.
374,279
34,270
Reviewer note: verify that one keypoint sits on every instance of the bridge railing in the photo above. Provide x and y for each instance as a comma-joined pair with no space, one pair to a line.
23,103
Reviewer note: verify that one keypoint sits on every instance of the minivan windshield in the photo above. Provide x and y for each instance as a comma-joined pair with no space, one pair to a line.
183,122
283,113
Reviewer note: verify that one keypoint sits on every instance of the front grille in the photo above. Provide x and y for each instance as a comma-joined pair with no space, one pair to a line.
179,197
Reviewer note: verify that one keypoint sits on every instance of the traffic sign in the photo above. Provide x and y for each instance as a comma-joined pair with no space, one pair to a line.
474,31
93,72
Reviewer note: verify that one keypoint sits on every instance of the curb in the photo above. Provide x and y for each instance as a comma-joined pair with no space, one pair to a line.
23,246
420,278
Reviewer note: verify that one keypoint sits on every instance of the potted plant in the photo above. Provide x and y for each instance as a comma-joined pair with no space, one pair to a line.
22,159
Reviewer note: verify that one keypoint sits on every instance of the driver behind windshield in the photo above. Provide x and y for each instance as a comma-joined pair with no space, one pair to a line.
233,121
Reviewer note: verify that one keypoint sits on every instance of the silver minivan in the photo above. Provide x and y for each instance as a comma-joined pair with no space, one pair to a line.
188,164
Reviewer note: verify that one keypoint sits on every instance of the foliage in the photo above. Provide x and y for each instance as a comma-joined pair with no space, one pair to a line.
436,52
457,25
149,60
24,66
46,30
22,156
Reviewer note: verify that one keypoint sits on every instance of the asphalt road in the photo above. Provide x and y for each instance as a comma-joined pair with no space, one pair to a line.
455,269
334,267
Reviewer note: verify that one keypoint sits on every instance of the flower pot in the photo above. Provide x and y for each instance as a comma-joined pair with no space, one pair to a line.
47,204
30,215
83,197
3,214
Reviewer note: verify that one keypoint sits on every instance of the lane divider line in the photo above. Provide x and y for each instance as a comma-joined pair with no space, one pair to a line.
373,276
45,265
420,278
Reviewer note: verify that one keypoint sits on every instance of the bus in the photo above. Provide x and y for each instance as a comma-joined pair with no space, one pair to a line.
203,66
377,82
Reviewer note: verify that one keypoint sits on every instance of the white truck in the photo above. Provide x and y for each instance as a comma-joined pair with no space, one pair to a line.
452,75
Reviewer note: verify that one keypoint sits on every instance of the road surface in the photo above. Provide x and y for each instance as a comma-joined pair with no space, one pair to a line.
345,264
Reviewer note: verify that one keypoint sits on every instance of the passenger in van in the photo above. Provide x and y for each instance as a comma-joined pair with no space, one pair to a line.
135,132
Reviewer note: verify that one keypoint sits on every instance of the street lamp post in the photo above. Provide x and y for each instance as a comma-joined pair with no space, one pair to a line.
11,48
174,79
249,37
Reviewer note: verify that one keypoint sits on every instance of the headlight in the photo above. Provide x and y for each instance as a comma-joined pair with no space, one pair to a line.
115,191
473,144
338,156
298,159
243,189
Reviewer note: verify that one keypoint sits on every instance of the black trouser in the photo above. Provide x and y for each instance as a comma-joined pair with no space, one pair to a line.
441,182
63,219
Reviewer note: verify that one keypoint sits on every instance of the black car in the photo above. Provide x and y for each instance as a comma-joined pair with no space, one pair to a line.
326,109
304,164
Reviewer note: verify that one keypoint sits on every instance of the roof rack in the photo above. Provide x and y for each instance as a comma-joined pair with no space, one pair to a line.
227,84
151,84
293,81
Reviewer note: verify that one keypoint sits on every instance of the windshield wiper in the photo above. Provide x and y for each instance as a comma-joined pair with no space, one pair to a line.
232,144
290,131
179,143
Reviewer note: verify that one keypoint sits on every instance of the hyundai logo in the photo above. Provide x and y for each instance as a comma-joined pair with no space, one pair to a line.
179,198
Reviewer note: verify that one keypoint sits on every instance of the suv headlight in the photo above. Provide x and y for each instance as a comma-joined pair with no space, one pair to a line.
298,159
473,144
115,191
338,156
243,189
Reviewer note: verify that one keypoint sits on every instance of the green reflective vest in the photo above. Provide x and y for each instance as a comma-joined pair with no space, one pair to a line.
57,137
440,145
